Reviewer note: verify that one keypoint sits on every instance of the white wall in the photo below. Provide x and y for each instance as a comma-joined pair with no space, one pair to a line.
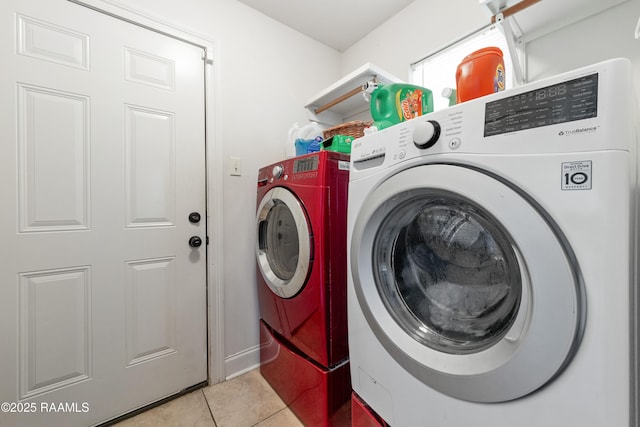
421,28
609,34
266,73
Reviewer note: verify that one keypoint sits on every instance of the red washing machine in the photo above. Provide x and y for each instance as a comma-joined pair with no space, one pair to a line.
362,415
302,278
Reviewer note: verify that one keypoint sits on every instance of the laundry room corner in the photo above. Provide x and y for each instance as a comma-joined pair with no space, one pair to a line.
391,213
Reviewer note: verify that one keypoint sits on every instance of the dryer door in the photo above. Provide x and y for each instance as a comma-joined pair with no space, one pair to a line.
467,283
283,247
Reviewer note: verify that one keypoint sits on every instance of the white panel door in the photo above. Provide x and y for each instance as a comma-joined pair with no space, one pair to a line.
102,299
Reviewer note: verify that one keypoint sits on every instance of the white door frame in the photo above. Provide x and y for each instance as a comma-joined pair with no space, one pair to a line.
214,170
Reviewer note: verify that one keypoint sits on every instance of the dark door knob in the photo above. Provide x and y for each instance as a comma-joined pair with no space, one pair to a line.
195,242
194,217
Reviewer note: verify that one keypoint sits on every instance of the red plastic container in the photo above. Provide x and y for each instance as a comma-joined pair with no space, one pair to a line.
480,73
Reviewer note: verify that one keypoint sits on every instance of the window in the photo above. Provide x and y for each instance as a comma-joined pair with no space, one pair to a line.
438,70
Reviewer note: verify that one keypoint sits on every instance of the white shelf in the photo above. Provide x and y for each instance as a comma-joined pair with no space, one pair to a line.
547,16
352,106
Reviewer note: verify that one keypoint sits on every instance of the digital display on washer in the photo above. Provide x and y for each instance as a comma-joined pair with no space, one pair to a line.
305,165
560,103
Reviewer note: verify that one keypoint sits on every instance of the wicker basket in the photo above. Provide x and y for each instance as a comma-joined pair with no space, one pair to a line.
354,129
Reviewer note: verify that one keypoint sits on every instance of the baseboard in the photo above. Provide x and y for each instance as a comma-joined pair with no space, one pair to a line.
242,362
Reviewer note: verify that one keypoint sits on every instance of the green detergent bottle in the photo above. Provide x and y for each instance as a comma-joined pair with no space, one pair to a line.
397,102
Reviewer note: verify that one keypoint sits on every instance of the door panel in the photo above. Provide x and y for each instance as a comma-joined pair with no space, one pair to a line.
53,162
150,167
55,327
102,301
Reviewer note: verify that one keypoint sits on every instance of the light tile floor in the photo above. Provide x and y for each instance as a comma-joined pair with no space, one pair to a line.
245,401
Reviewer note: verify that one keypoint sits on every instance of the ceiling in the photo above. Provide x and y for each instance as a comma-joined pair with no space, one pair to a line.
341,23
335,23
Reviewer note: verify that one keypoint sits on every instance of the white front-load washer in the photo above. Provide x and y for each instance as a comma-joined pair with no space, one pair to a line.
492,258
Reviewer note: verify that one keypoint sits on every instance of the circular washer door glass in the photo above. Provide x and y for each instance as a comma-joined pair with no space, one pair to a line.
447,272
283,249
281,238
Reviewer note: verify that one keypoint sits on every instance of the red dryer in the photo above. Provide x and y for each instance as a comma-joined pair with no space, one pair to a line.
302,278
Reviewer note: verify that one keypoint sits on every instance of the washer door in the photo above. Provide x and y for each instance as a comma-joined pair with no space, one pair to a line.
466,282
283,248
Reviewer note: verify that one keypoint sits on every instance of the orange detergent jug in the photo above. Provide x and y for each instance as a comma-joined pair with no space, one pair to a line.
396,102
480,73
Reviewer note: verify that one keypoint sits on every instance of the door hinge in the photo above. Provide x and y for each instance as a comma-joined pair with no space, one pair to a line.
207,240
206,58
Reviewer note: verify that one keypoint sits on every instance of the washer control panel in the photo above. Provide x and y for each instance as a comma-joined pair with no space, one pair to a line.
577,112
